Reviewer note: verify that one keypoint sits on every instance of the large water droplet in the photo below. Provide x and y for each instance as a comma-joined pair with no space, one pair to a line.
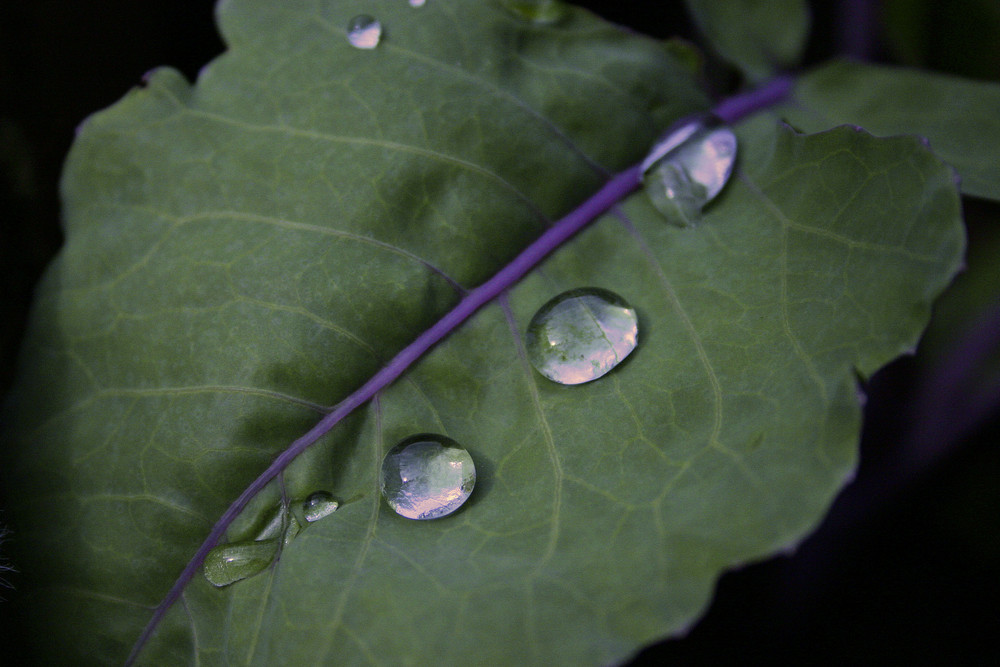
544,12
364,32
688,167
581,334
318,505
229,563
427,476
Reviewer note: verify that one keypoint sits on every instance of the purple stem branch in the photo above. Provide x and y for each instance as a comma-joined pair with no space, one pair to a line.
616,189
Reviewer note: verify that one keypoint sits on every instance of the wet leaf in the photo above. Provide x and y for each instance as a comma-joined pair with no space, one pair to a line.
246,250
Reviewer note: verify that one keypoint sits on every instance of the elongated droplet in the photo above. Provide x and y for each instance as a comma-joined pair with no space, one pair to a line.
427,476
581,334
277,524
688,167
318,505
229,563
542,12
364,32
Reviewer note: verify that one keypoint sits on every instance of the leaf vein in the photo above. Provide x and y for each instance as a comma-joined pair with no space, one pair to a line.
518,102
369,142
548,438
715,437
336,621
283,223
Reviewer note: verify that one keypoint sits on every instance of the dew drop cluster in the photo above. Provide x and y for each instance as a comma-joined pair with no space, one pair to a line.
576,337
229,563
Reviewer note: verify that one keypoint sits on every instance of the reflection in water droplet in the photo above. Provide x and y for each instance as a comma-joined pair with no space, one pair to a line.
318,505
364,32
544,12
580,335
417,3
688,167
427,476
228,563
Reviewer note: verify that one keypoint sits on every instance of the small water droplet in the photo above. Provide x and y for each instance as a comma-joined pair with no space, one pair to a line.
228,563
279,523
427,476
688,167
581,334
364,32
542,12
318,505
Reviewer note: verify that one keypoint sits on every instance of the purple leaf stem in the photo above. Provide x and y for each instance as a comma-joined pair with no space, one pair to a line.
616,189
739,106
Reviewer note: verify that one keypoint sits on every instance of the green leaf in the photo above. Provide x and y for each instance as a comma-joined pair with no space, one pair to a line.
760,38
248,249
958,116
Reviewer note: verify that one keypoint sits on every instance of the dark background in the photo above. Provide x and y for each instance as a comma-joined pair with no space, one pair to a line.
904,569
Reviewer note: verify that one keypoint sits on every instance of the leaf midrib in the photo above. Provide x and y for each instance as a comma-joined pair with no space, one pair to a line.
554,237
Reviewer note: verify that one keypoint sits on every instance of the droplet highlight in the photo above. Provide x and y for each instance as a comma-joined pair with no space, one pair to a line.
427,476
318,505
364,32
417,3
542,12
581,335
229,563
688,167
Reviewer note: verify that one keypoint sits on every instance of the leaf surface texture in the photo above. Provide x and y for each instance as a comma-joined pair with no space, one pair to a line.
246,250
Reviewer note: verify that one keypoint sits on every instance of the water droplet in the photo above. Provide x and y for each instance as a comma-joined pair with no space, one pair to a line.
318,505
688,167
417,3
427,476
581,334
543,12
277,524
228,563
364,32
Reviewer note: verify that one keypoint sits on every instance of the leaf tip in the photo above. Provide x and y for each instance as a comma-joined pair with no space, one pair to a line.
861,395
789,550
